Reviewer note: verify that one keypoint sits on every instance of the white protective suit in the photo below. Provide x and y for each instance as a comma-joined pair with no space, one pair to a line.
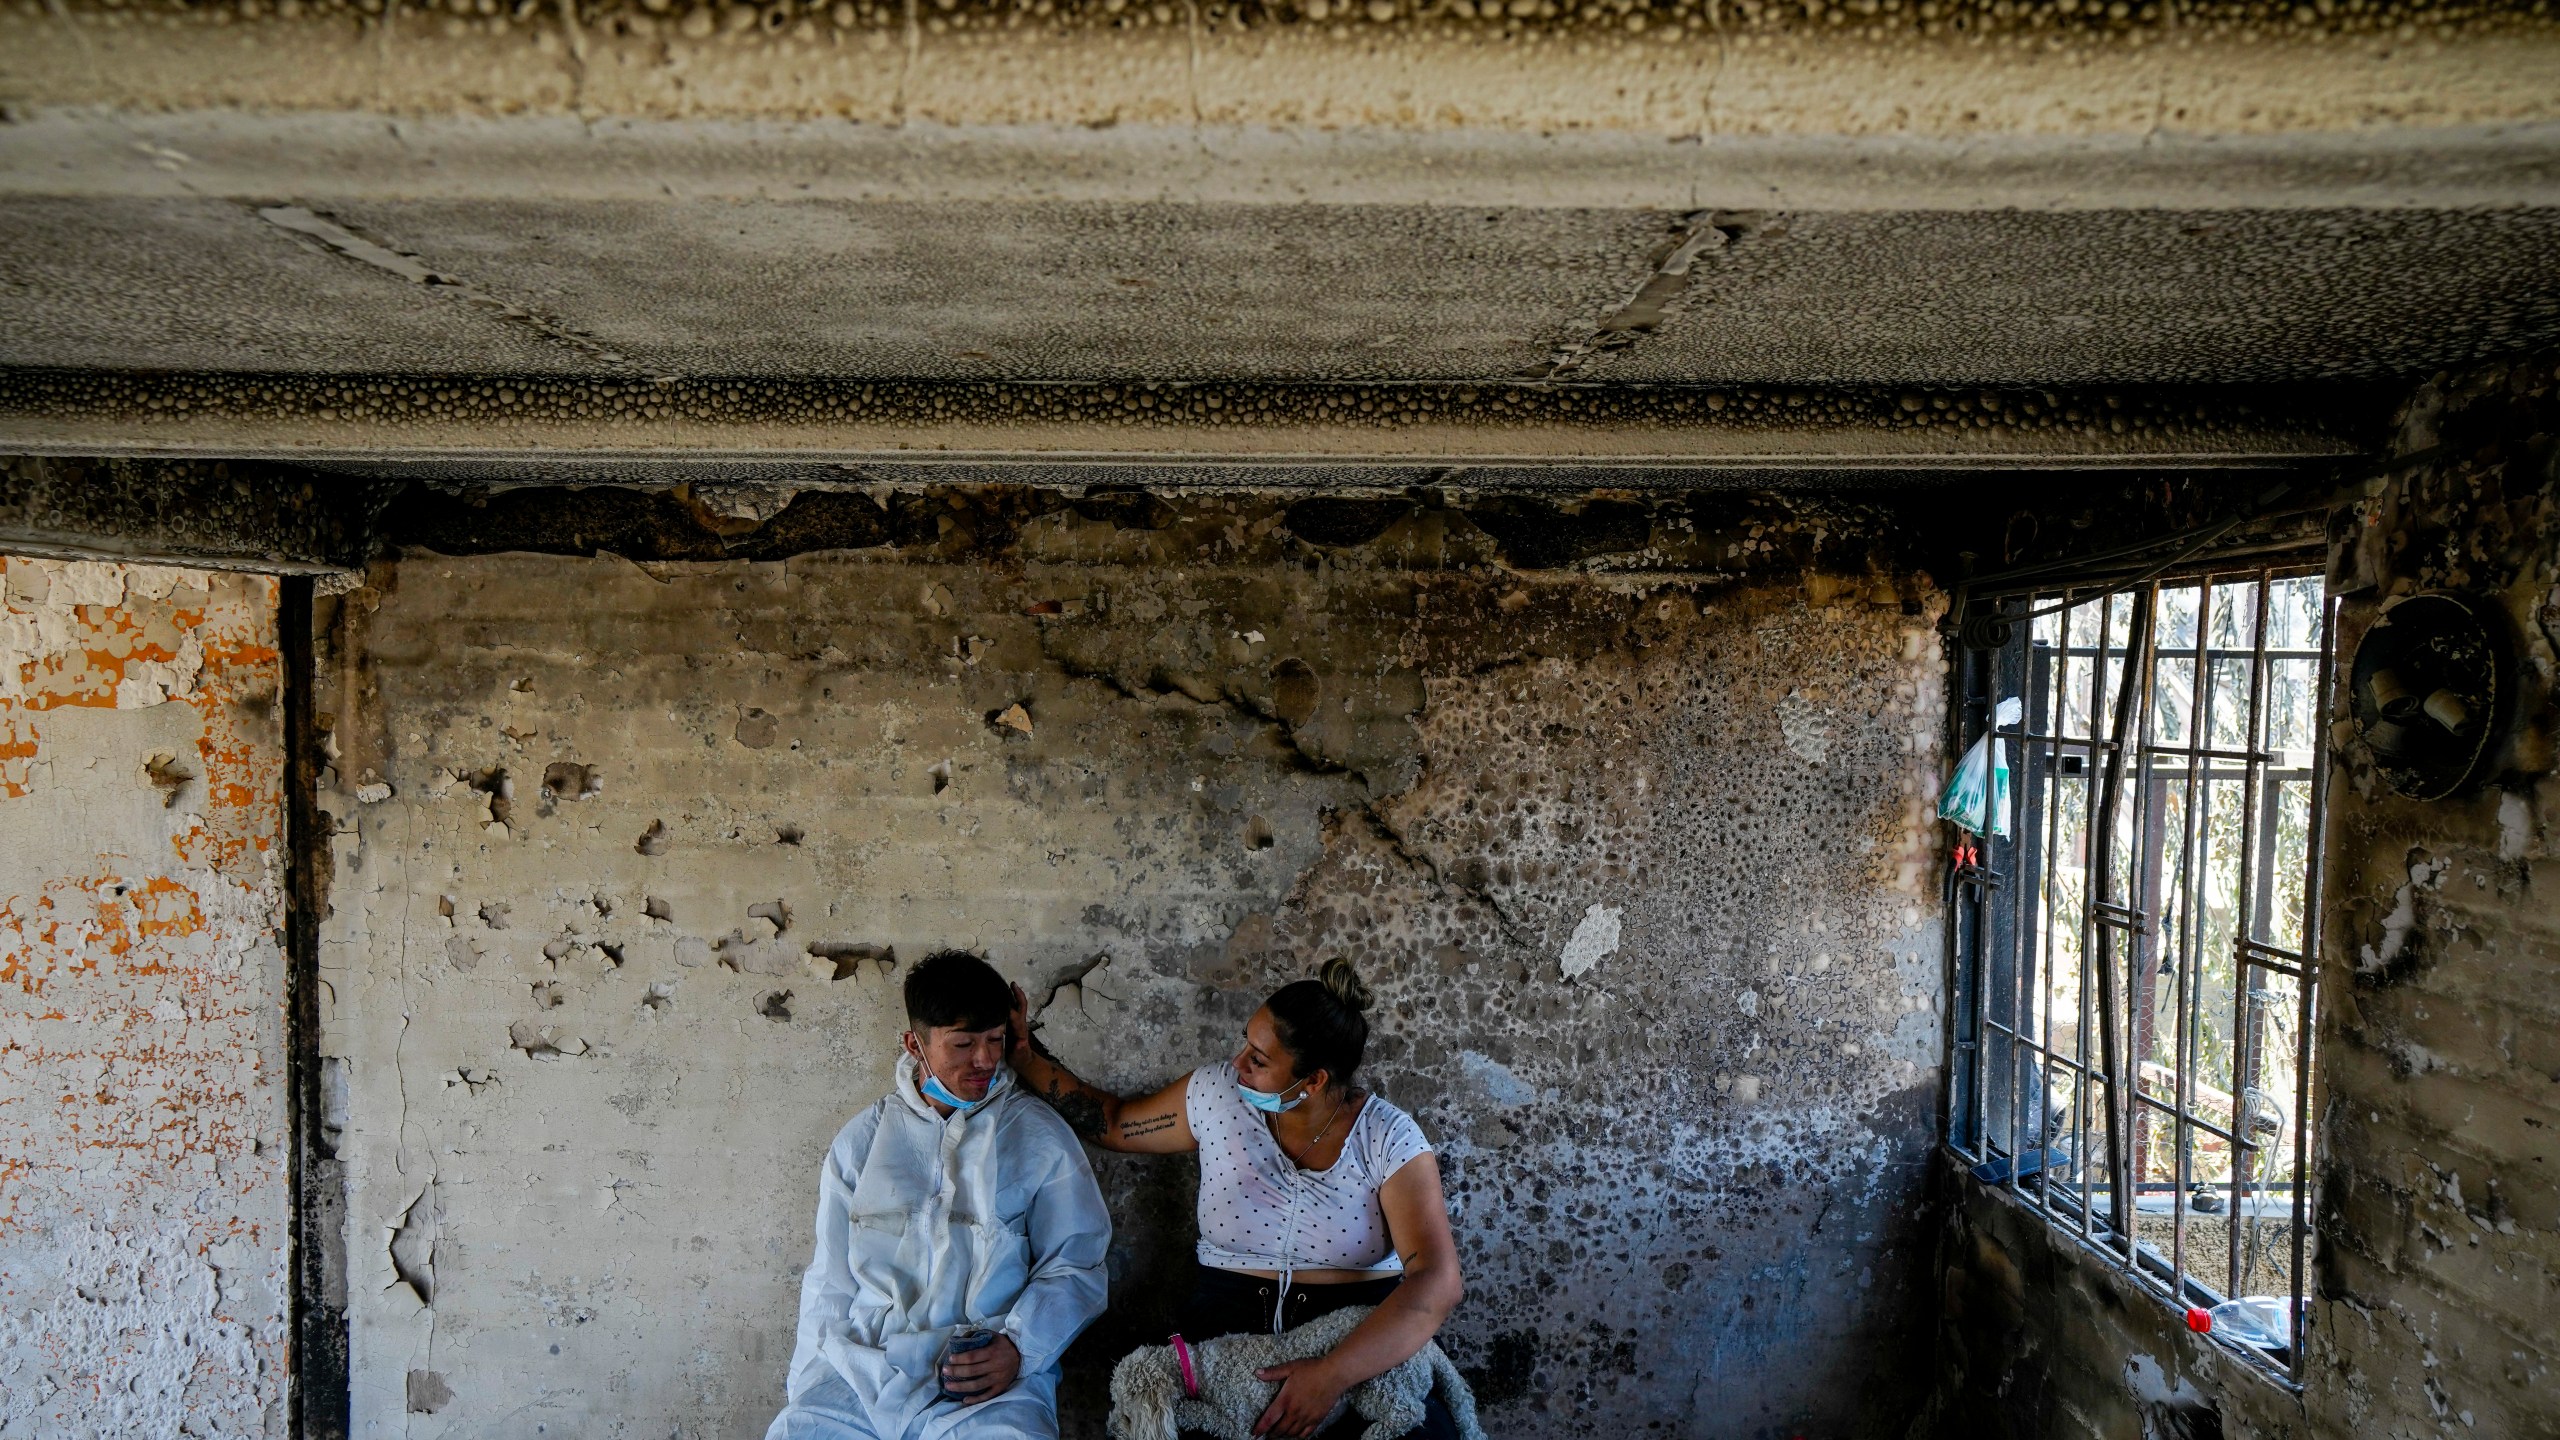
989,1218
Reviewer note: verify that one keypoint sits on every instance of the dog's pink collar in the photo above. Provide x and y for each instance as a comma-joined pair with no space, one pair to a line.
1190,1380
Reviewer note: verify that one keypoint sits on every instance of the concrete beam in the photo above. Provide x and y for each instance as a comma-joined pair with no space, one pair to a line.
210,515
346,245
513,427
354,156
1964,69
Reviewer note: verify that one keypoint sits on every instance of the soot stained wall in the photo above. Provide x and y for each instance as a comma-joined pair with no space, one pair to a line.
142,1163
2041,1340
630,858
2440,1208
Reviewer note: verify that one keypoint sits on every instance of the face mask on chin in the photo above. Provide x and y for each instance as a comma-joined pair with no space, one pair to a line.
935,1090
1267,1101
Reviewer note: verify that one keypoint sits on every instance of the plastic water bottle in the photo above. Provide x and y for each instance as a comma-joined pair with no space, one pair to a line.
2257,1320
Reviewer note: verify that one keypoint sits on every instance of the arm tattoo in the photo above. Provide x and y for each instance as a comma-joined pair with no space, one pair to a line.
1081,1111
1132,1129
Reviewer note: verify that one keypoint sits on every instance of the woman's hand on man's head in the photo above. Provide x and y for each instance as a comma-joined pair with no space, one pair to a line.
1018,1025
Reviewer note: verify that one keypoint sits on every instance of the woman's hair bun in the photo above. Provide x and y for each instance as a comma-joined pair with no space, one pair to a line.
1345,983
1320,1021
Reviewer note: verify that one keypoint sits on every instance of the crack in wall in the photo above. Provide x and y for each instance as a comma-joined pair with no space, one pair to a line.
1160,684
1384,831
62,14
382,25
577,45
347,242
910,55
1071,976
412,1247
1191,55
1715,73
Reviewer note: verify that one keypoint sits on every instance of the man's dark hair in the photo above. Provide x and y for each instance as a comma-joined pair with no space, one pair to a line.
953,989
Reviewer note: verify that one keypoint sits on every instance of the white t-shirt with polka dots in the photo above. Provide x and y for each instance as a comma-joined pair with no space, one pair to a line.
1259,1211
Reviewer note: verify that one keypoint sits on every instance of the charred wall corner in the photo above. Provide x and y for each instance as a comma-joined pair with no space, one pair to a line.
2438,1203
316,1109
2040,1339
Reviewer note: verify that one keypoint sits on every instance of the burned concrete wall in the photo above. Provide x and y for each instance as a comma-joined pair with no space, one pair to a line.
142,1157
2440,1211
632,854
2042,1340
2434,1311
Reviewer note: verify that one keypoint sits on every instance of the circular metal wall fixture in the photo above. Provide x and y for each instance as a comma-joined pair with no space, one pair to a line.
2431,685
1984,627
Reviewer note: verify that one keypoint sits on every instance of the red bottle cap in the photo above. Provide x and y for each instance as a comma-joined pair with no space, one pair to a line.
2199,1320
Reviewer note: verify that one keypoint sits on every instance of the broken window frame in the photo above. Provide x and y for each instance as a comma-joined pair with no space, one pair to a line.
1999,931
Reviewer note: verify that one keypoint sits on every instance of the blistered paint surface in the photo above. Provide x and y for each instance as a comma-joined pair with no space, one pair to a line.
631,857
142,1180
1679,68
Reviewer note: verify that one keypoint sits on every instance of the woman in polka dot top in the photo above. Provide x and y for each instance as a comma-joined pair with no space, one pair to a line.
1314,1195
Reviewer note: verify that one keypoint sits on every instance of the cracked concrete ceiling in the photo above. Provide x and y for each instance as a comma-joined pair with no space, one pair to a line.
290,249
787,235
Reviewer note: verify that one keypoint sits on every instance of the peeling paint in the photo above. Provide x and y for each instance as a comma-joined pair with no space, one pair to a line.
142,1204
1593,940
2435,1314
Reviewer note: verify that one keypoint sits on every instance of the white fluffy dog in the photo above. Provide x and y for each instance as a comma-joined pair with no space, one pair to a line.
1147,1402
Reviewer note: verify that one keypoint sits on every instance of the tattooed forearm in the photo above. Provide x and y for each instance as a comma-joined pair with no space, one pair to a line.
1132,1129
1081,1111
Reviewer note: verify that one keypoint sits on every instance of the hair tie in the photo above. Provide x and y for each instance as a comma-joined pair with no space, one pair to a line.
1190,1380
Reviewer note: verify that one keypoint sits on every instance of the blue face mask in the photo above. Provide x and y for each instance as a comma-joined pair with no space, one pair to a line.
934,1089
1269,1102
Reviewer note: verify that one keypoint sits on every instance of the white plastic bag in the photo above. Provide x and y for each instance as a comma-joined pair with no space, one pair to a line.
1977,795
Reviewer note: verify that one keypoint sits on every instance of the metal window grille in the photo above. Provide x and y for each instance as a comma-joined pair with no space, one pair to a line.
2133,964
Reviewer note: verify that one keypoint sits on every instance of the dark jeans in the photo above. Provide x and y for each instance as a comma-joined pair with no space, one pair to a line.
1226,1303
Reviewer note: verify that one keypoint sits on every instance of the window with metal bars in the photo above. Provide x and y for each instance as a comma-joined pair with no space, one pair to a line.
2134,998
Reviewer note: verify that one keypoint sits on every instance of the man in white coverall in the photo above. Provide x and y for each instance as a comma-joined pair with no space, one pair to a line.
957,1199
